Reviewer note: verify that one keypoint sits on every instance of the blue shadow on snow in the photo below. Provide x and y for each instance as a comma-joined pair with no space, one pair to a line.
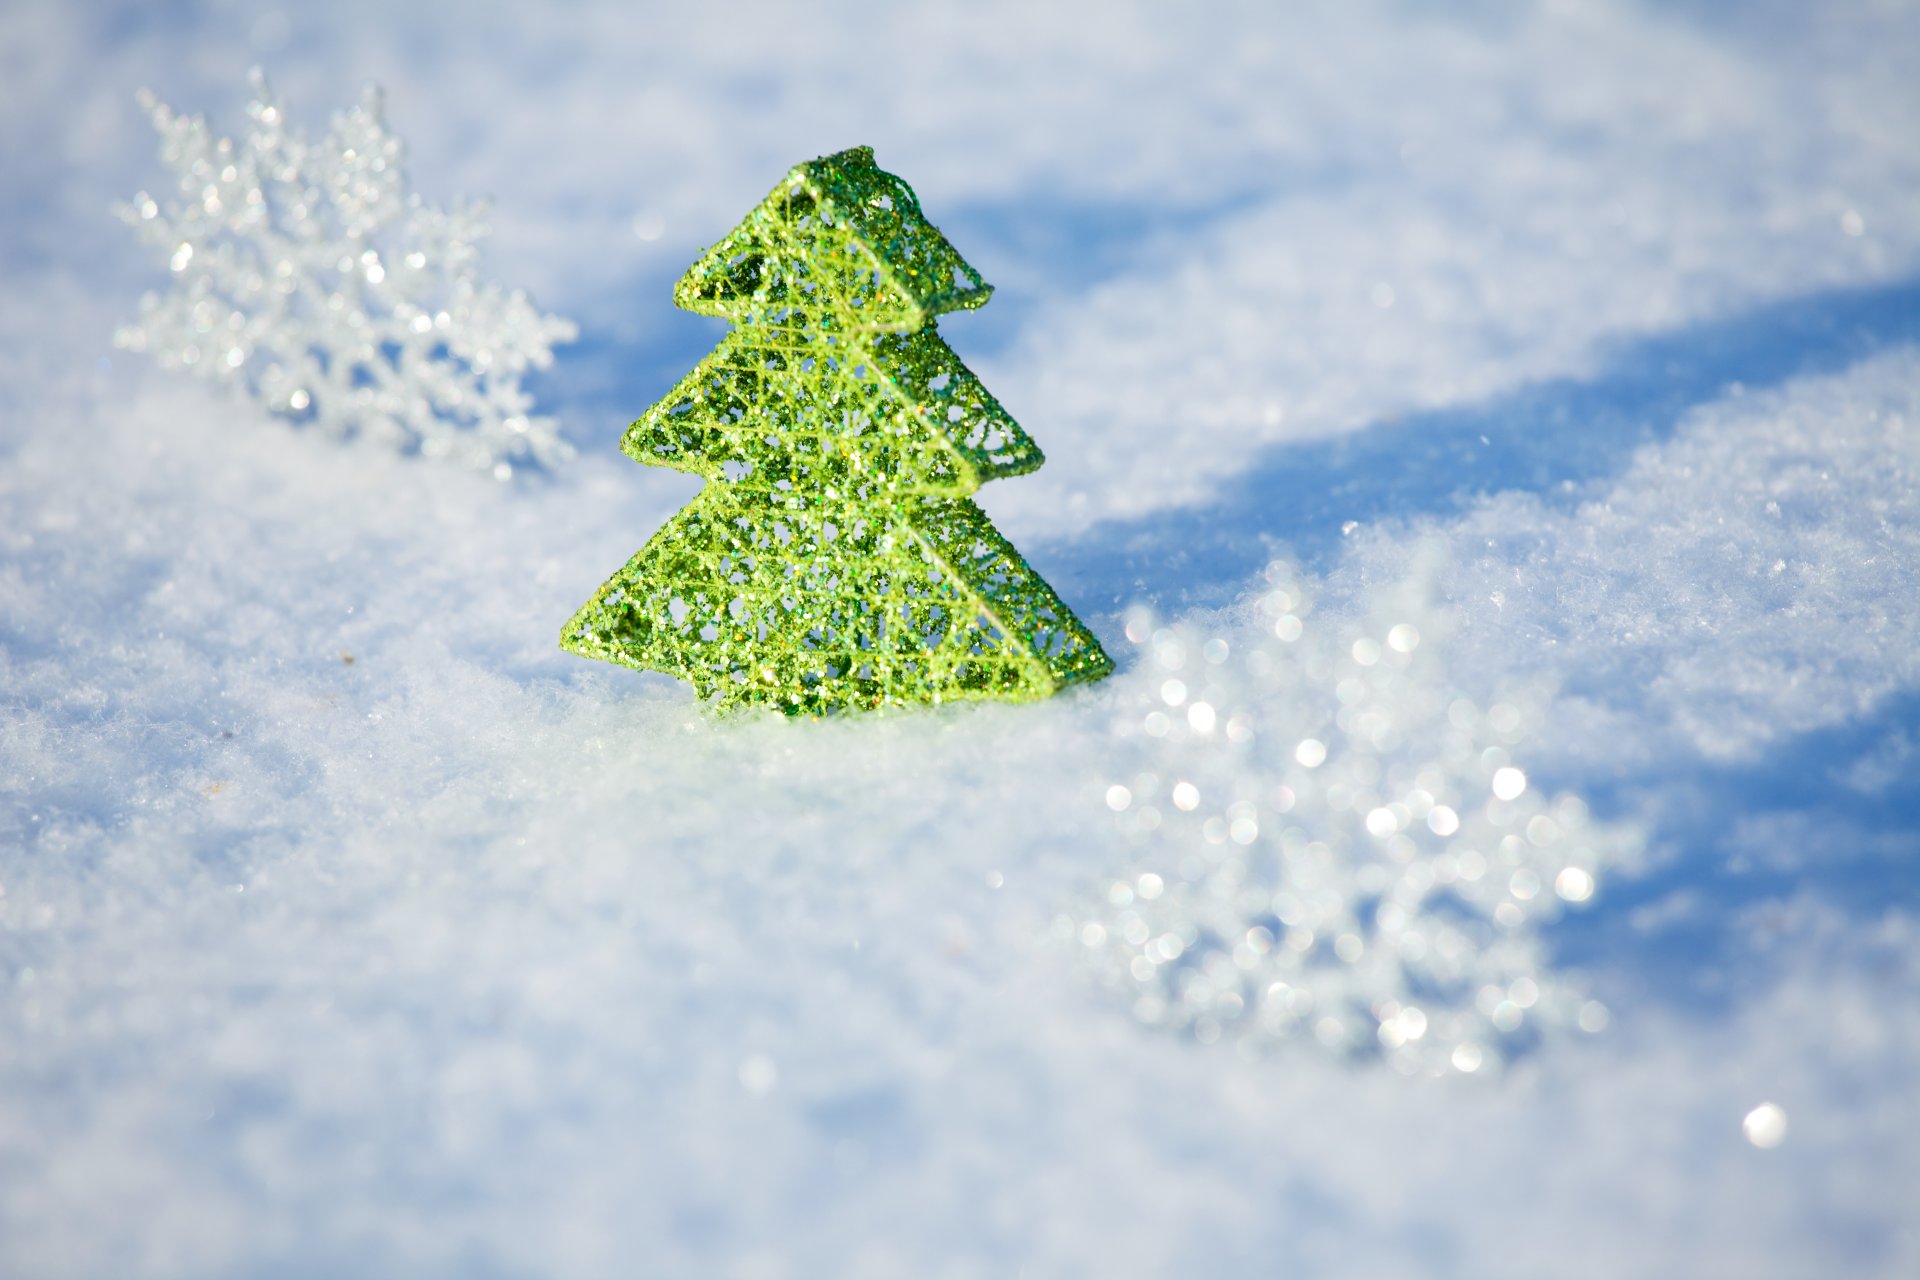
1687,930
1552,437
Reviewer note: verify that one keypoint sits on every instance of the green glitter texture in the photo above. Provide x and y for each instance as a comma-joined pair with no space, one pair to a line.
833,561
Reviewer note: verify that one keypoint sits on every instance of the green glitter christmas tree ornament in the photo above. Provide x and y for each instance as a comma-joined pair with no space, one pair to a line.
833,560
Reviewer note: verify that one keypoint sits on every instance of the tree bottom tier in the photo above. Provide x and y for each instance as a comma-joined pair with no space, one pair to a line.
812,606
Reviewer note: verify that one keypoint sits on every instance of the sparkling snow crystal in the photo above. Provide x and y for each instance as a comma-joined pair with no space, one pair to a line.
1340,845
307,274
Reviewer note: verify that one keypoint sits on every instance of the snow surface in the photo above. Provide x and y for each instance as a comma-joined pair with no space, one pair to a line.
470,959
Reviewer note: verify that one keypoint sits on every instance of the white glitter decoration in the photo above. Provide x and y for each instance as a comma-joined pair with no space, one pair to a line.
1344,848
307,275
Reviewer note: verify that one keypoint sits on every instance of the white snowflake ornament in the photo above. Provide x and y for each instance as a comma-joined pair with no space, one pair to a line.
1339,846
309,276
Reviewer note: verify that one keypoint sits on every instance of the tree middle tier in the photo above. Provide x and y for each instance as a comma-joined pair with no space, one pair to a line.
848,416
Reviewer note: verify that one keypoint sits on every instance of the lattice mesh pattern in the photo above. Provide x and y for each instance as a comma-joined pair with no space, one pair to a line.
864,415
758,595
833,560
841,240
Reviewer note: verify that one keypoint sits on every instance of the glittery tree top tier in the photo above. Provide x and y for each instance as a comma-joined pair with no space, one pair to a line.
840,246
